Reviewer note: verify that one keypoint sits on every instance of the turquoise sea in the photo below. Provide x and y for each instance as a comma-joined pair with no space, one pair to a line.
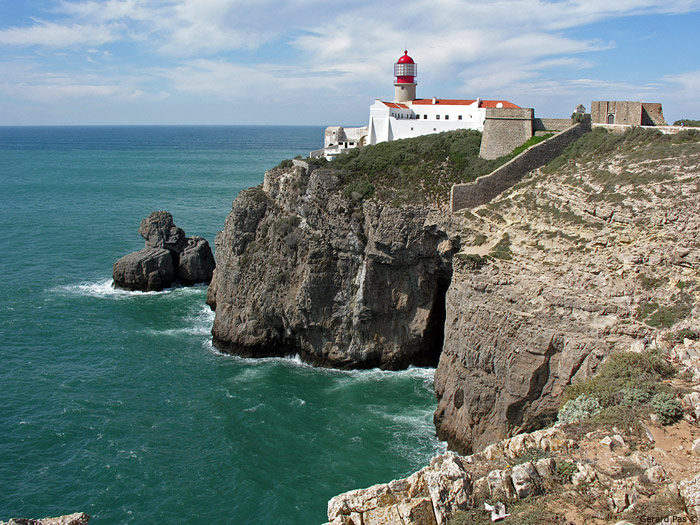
115,403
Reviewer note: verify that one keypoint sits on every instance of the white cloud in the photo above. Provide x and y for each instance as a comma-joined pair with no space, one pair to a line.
688,82
51,34
260,82
262,50
22,81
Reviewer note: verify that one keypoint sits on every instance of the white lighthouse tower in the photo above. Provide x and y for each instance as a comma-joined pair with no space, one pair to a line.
405,71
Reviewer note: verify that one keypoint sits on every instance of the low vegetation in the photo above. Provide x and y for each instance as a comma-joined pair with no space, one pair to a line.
416,170
687,122
666,315
637,143
629,386
535,139
502,249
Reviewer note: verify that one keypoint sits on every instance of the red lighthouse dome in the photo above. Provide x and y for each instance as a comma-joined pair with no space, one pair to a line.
405,69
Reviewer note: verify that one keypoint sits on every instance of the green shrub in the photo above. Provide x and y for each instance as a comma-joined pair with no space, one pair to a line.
286,163
632,396
649,283
358,190
645,371
479,239
285,225
472,261
417,170
687,122
667,406
668,315
319,162
641,143
681,335
583,407
564,471
502,249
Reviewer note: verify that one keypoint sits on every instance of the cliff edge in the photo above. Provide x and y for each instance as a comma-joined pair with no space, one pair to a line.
307,267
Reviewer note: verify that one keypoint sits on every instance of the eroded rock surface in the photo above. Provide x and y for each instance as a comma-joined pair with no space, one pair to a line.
169,257
598,255
148,269
304,268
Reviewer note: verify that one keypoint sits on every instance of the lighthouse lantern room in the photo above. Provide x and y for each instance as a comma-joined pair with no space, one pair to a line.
405,71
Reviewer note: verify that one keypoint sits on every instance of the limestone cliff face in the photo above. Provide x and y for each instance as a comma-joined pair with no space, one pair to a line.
508,355
304,268
598,254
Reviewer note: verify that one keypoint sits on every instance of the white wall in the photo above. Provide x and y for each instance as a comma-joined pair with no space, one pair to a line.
386,123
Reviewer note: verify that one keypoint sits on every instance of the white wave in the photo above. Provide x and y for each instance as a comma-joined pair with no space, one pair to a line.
291,360
105,288
297,402
197,323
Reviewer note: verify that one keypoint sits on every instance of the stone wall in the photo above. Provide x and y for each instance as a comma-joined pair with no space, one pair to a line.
504,130
486,188
652,114
627,113
551,124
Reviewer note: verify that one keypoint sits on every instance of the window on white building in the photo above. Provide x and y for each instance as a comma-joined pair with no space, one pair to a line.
425,117
437,117
459,117
447,117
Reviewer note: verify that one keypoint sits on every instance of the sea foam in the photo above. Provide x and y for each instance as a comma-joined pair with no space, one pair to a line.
105,288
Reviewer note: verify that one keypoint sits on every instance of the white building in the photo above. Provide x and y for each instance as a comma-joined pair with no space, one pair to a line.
408,116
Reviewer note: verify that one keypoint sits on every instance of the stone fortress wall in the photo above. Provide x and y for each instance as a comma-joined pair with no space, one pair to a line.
504,130
486,188
627,113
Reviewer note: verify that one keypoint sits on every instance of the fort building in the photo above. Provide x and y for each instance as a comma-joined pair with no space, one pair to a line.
627,113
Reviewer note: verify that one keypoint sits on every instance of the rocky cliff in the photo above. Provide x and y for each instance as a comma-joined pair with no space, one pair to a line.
594,254
597,252
307,266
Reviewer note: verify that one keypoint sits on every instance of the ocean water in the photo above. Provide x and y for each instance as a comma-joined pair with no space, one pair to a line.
115,403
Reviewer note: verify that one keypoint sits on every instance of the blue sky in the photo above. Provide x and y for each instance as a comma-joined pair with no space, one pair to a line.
321,62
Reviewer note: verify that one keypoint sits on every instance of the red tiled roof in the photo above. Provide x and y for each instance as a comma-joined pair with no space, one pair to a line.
394,105
494,103
458,102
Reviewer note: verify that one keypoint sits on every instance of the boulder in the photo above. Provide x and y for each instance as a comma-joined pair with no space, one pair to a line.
169,257
196,262
690,492
526,479
429,497
150,269
159,231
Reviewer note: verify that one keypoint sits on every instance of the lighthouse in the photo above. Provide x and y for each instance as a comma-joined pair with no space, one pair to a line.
407,116
405,71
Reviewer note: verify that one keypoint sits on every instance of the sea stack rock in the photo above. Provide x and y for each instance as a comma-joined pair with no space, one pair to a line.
169,257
